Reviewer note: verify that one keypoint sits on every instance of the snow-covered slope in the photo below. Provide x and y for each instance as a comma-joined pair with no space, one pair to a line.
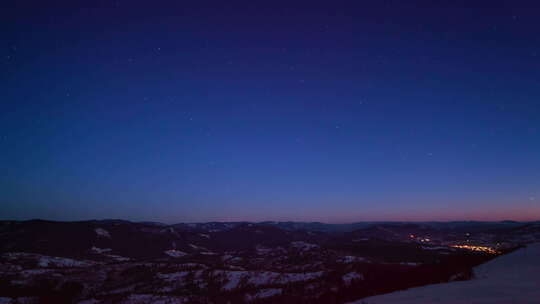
512,278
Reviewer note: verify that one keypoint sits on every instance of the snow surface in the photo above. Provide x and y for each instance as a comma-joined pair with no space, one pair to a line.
179,279
100,250
512,278
263,293
117,258
261,250
226,257
192,265
303,245
410,264
46,261
5,300
198,247
102,232
258,278
33,272
351,259
348,278
173,276
175,253
148,298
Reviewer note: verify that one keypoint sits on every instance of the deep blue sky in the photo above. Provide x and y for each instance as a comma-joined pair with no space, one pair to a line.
328,111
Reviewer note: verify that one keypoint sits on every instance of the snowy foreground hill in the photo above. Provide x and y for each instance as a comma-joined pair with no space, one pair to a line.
512,278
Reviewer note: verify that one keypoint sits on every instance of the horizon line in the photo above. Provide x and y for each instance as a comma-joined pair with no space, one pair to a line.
272,221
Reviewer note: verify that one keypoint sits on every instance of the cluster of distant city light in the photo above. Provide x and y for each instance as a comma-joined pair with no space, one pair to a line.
476,248
468,247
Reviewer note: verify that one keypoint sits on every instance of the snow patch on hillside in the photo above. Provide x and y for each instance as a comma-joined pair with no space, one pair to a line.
33,272
348,278
46,261
262,250
201,248
5,300
258,278
100,250
102,232
56,262
154,299
175,253
193,265
303,245
117,258
410,264
351,259
176,276
263,293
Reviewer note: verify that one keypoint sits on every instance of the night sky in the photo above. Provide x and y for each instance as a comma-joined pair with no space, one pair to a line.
183,111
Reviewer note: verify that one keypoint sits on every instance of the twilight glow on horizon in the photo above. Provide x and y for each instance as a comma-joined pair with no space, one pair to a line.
184,111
